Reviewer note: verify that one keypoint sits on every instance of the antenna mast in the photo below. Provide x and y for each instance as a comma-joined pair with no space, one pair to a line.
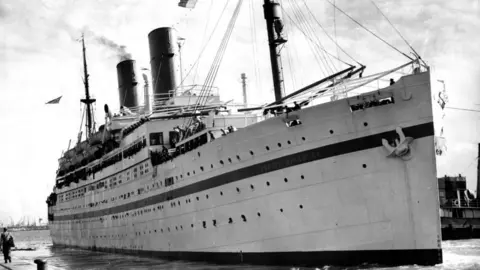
87,100
272,12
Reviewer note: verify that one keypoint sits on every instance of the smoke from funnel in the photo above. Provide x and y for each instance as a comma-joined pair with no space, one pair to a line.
120,50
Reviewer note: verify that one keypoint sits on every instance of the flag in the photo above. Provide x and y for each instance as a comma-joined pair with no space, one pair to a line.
187,3
440,145
54,101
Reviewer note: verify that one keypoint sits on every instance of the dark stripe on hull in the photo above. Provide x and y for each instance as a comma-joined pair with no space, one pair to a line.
328,151
297,259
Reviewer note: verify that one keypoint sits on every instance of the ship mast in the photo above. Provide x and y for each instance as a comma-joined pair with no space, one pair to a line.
87,100
274,28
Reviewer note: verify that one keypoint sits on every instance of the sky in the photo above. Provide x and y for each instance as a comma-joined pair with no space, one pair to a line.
41,59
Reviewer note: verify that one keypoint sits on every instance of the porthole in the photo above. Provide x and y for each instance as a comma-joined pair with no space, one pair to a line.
238,190
303,139
201,168
331,131
238,157
364,165
191,225
221,162
230,220
230,160
211,165
281,210
198,198
268,148
301,206
268,183
289,142
193,171
198,153
206,196
188,173
221,193
302,177
365,124
258,214
285,179
279,144
244,218
251,152
252,187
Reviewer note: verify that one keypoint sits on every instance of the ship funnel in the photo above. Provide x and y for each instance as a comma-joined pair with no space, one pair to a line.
127,84
164,61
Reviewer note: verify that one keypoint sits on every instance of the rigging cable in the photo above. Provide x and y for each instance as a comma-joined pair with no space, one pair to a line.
205,46
303,22
203,97
468,167
393,47
306,17
286,13
328,59
398,32
289,56
394,27
220,54
335,30
254,45
203,39
310,44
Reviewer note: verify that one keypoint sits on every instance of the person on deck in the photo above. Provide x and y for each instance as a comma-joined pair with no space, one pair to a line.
6,243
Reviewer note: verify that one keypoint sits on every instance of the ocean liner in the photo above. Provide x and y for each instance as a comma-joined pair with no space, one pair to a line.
185,176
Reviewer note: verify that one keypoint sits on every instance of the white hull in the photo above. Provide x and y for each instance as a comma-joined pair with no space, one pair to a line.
345,197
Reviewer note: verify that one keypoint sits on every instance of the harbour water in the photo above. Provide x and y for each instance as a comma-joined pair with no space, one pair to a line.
458,255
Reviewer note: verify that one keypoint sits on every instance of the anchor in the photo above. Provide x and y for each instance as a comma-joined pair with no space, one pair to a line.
402,146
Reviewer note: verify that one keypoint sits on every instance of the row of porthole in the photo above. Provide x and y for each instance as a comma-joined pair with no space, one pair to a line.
204,224
230,159
188,200
173,204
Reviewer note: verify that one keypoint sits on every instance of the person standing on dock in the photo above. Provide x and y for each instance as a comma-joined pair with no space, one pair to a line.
6,243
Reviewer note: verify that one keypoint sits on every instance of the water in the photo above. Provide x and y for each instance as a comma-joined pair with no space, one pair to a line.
457,255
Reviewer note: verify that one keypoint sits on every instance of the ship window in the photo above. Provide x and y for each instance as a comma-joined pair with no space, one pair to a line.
373,103
156,138
292,123
169,181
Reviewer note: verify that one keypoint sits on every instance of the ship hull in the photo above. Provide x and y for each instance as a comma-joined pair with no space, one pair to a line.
325,192
297,259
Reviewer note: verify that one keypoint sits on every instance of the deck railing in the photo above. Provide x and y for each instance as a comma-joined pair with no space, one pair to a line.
460,204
